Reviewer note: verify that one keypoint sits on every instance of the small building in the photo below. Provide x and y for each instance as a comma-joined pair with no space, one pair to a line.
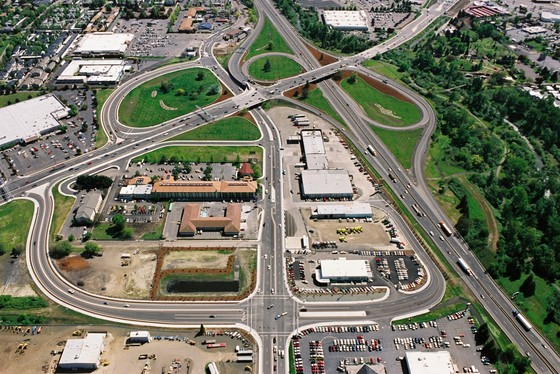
550,17
193,220
102,44
366,369
295,243
246,170
343,271
88,208
326,184
136,191
204,26
138,337
354,210
82,354
429,362
93,72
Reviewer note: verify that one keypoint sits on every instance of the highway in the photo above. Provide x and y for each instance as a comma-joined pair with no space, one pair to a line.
253,313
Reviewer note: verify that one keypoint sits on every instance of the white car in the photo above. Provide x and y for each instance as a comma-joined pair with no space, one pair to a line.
431,233
70,290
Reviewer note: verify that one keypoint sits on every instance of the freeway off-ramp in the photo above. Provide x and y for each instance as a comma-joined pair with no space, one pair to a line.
252,313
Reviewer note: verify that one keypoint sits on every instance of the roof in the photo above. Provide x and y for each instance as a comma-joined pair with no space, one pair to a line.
142,179
30,118
139,334
316,161
93,70
326,182
82,351
355,208
103,43
192,221
365,369
342,268
191,12
429,362
312,141
205,187
89,205
246,169
186,24
343,19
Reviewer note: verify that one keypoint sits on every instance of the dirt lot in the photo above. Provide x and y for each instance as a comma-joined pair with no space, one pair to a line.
373,233
37,358
195,260
14,277
106,276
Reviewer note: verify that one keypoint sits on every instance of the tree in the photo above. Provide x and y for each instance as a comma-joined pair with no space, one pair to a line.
270,46
266,66
91,250
61,249
352,79
200,76
2,249
71,237
201,331
86,237
92,182
213,90
529,286
119,221
180,92
165,87
127,233
17,250
483,334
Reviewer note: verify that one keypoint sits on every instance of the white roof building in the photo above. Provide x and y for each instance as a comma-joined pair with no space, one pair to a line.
550,17
103,72
27,120
429,362
139,337
332,183
82,353
354,210
343,270
133,191
346,20
102,44
314,149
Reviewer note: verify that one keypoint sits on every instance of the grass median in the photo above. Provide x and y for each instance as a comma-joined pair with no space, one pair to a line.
231,128
62,207
279,67
269,40
101,96
169,96
400,143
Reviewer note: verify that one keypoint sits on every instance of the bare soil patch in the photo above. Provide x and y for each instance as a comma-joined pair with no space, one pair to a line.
323,57
291,92
73,263
194,260
379,86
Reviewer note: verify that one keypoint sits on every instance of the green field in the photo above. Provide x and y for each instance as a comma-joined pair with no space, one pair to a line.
269,34
15,220
315,98
400,143
388,111
18,96
149,104
202,154
384,68
62,207
280,67
230,128
102,95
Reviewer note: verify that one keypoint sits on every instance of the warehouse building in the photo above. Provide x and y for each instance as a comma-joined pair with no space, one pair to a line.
550,17
326,184
141,337
343,271
346,20
93,72
102,44
429,362
82,354
26,121
354,210
85,215
314,149
133,192
205,191
196,219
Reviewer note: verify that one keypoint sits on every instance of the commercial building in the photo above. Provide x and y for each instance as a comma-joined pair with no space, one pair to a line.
205,191
82,354
93,72
294,243
196,219
139,337
314,149
88,208
136,191
102,44
28,120
366,369
346,20
354,210
343,271
326,184
550,17
429,362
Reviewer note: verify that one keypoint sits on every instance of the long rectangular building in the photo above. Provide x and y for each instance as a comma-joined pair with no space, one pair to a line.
331,183
82,354
102,44
205,191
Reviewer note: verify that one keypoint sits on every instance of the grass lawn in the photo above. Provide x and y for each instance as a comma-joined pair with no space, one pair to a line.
315,98
18,96
62,207
280,67
382,108
15,220
202,154
102,95
269,34
230,128
436,313
148,104
383,68
534,307
401,143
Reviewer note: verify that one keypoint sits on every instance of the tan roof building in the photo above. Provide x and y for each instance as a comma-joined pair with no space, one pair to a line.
206,191
192,221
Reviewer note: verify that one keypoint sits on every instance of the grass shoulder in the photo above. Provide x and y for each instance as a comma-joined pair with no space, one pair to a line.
62,208
230,128
15,220
101,96
400,143
269,40
270,68
202,154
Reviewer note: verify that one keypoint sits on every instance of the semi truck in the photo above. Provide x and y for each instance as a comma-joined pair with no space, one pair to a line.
522,320
463,265
445,229
371,150
417,210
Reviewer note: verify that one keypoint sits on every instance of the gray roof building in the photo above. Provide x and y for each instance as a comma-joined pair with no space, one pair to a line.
89,207
319,184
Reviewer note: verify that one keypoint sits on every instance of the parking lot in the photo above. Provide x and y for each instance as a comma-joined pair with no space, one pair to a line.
340,346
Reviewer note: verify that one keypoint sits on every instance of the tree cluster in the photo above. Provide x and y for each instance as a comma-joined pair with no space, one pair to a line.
93,182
